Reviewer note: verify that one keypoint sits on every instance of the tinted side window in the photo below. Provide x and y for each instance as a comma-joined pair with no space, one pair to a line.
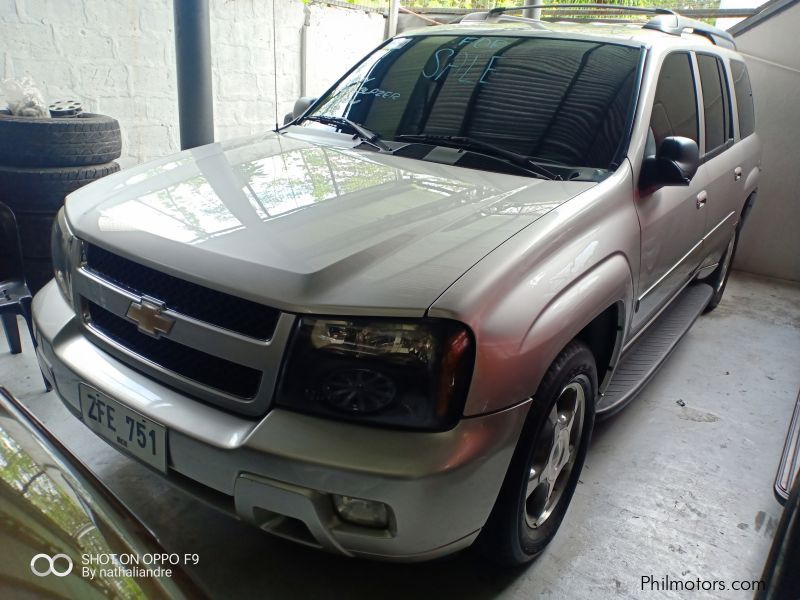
675,104
716,105
744,98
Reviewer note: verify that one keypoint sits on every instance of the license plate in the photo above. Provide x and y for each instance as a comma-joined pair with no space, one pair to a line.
124,428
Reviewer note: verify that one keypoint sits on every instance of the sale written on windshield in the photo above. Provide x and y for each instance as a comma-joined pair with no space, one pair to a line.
471,65
521,93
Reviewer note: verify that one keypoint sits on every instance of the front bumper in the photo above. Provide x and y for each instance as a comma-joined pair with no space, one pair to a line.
278,471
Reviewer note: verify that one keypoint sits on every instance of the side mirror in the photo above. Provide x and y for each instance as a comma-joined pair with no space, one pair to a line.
301,105
675,163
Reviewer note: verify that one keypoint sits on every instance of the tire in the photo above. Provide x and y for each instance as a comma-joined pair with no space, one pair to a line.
43,190
88,139
524,521
32,229
38,271
719,278
35,196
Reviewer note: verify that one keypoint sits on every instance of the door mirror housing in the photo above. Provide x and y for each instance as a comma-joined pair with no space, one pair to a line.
301,105
675,163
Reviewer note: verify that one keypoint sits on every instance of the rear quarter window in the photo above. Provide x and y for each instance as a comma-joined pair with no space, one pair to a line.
744,98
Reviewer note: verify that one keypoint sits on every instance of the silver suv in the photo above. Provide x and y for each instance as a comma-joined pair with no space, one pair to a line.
387,328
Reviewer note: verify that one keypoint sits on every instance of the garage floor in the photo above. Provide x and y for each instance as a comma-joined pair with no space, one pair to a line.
668,489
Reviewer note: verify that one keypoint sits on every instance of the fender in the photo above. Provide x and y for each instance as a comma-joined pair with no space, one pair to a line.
748,206
751,185
751,181
610,282
750,159
528,298
514,352
513,357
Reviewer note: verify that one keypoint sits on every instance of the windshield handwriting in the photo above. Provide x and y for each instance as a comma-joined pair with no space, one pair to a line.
465,66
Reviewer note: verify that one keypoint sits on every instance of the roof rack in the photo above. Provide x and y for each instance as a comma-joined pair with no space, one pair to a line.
650,10
665,20
664,23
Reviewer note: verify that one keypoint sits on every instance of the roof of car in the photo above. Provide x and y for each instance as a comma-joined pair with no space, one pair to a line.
633,34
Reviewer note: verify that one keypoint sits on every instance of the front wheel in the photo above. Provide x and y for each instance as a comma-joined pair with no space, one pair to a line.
547,462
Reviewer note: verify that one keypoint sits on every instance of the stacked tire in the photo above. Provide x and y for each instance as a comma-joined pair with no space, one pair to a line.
43,160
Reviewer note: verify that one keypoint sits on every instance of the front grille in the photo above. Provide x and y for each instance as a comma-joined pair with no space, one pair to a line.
218,373
211,306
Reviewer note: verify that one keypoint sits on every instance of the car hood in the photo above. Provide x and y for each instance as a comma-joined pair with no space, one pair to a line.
306,222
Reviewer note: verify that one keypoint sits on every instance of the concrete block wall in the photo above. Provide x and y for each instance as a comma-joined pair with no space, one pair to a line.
118,58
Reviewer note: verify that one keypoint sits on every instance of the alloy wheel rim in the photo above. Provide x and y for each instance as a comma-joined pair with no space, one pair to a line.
555,454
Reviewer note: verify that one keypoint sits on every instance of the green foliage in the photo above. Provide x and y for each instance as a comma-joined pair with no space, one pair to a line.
485,4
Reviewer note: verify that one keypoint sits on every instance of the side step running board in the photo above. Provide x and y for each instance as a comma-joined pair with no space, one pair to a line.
650,351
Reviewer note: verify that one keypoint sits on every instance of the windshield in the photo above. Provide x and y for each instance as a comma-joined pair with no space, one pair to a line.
555,101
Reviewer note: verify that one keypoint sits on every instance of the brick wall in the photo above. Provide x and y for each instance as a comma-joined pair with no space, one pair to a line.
118,58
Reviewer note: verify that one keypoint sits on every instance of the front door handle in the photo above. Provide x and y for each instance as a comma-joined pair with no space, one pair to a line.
737,173
702,197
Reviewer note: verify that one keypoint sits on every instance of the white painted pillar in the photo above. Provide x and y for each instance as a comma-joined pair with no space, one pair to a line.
394,9
533,13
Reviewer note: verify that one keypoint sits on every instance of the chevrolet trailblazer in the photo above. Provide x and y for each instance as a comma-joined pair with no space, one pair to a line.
386,329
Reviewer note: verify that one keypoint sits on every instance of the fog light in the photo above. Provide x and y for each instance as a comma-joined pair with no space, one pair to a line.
358,511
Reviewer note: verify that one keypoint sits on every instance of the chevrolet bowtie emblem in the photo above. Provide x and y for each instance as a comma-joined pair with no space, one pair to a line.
149,318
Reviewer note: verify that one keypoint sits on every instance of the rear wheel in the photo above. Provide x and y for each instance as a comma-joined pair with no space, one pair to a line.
547,462
719,278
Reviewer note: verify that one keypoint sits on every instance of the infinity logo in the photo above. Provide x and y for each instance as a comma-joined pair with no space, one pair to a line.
51,565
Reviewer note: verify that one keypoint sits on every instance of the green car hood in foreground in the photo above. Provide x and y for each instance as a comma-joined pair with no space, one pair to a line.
54,514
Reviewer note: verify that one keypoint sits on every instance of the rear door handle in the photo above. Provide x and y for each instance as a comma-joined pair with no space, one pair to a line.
737,173
702,197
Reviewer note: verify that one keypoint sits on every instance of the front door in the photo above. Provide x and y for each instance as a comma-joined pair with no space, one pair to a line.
672,218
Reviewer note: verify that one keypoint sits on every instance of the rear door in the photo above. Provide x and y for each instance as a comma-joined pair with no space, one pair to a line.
747,149
718,157
672,225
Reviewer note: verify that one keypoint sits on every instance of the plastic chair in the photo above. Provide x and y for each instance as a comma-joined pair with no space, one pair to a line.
15,297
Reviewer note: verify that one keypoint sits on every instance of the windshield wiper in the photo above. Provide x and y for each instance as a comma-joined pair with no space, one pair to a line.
460,141
364,134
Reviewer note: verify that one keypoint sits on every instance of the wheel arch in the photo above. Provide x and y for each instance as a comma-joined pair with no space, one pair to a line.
599,302
527,331
603,336
748,206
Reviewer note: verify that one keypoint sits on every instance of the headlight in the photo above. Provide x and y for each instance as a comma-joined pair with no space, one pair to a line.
61,242
400,373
